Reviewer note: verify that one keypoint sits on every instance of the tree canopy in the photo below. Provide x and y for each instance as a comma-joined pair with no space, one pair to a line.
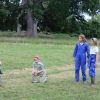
65,16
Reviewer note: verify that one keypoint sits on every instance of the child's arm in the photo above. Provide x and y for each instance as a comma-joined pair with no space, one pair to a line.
34,70
97,57
39,71
88,50
75,51
97,54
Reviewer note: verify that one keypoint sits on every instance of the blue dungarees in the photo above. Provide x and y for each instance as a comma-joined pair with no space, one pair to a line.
80,59
91,64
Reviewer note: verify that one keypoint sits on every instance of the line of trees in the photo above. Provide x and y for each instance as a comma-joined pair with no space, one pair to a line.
65,16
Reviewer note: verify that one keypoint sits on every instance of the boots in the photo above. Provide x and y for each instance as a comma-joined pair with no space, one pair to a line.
93,81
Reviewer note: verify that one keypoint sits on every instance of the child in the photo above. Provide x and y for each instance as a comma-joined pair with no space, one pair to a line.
38,71
0,74
79,55
93,59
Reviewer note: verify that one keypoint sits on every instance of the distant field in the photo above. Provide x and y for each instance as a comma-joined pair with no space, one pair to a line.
16,54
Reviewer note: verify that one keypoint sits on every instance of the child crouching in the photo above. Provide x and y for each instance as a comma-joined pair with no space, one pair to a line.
38,71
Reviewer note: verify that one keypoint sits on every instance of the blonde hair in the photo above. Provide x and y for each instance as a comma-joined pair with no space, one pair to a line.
83,37
37,57
94,40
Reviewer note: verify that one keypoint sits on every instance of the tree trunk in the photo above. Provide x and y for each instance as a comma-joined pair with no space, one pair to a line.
31,25
18,24
35,22
18,28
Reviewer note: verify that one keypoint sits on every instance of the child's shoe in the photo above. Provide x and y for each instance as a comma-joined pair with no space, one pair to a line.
93,82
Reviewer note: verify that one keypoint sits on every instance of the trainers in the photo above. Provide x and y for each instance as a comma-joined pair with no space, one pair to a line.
35,81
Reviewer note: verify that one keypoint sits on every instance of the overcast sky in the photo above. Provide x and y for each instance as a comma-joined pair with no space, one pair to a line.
86,16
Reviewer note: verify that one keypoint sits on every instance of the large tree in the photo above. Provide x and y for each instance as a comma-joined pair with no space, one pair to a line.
33,9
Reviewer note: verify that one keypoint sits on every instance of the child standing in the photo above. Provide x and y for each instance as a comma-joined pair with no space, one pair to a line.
38,71
79,55
0,74
93,59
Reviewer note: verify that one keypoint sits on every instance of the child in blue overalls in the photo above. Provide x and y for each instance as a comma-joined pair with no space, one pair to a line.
79,56
93,59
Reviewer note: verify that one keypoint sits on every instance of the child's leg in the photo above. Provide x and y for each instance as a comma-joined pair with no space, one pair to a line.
34,78
83,69
92,73
43,77
92,80
77,69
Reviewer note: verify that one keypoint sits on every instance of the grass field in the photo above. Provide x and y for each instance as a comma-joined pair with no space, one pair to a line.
56,53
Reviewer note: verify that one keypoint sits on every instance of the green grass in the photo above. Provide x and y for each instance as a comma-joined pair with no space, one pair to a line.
19,55
56,53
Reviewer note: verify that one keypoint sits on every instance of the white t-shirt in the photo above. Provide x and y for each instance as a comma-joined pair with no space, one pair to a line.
94,49
81,43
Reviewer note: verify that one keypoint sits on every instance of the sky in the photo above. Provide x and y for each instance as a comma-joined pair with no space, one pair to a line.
86,16
20,1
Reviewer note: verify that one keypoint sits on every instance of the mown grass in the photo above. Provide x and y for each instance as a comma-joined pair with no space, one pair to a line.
19,55
16,54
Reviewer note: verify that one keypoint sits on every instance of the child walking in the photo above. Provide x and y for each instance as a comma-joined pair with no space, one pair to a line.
93,60
79,56
38,71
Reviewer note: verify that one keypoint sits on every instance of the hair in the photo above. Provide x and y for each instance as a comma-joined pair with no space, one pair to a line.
94,40
37,57
83,37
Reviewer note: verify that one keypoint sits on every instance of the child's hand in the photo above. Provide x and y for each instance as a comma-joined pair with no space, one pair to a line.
40,71
33,71
94,65
74,59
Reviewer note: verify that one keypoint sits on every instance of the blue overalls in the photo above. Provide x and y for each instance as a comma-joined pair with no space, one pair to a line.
91,65
80,59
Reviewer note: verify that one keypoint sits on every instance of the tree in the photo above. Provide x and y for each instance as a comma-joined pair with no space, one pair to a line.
66,16
33,9
94,27
8,12
3,14
51,15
